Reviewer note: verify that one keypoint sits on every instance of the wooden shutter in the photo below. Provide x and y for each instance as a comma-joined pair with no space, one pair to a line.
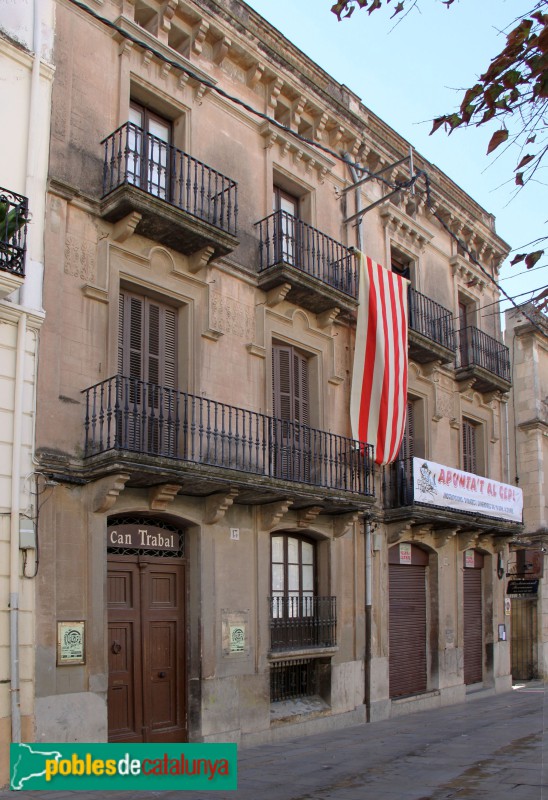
473,634
407,449
469,447
147,340
407,625
291,401
147,353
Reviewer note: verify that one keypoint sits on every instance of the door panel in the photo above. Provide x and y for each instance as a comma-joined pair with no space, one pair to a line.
147,690
124,648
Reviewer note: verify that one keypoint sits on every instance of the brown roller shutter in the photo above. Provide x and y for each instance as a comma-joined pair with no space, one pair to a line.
407,621
473,629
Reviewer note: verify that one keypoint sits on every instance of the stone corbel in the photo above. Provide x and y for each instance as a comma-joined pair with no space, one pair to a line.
166,15
199,33
343,524
107,491
277,295
336,136
124,47
128,9
125,227
468,539
396,531
273,91
160,496
216,505
220,50
326,318
485,541
273,513
306,517
431,370
319,128
201,259
147,58
254,74
200,92
165,70
444,535
297,109
269,135
420,531
310,164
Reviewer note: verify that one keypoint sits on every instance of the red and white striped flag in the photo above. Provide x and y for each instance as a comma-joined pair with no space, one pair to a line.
378,399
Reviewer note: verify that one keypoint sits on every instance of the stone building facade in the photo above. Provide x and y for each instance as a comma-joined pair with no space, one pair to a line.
237,566
528,455
26,39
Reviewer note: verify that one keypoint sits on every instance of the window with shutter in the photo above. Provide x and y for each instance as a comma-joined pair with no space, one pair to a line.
147,360
291,401
469,446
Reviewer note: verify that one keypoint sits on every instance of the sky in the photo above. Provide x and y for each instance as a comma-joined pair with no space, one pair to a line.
412,72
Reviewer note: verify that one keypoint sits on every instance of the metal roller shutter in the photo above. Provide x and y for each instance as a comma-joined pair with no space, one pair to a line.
407,662
473,633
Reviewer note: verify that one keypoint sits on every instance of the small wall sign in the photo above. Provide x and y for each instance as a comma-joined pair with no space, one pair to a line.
405,553
237,638
235,632
469,559
70,643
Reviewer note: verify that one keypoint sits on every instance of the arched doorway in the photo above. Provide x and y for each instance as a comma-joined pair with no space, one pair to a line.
146,600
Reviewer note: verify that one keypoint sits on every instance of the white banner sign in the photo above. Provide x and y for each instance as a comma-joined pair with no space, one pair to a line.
437,485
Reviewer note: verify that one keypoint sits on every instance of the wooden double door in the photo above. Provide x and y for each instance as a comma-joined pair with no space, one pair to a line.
147,649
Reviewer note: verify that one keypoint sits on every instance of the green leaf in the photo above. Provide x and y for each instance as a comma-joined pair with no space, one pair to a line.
497,139
438,122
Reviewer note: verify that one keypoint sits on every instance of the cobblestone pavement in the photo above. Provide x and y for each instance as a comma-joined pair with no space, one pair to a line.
488,747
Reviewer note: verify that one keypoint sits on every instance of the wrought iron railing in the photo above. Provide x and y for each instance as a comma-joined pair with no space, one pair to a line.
300,622
14,214
132,415
398,484
431,319
478,349
285,239
133,156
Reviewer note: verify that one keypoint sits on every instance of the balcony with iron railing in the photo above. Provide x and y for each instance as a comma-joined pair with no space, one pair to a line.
14,215
182,202
484,360
431,335
302,622
321,272
145,424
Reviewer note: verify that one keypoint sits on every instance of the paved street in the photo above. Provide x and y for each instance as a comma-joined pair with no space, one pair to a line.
489,747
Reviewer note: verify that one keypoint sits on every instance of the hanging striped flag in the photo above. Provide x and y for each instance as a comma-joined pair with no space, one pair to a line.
379,380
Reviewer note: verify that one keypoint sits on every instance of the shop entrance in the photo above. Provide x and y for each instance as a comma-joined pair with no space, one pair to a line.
146,592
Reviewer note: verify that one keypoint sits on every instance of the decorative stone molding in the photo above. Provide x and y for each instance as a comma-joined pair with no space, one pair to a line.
443,536
125,227
468,272
277,295
396,531
254,74
326,318
273,513
404,228
220,50
199,34
95,293
344,524
216,505
107,491
468,539
200,259
302,153
160,496
256,350
273,91
307,516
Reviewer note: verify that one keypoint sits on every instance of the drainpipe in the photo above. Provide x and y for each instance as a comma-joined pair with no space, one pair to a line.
368,604
14,530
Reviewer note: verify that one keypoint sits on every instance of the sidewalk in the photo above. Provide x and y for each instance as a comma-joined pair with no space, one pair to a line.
489,747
